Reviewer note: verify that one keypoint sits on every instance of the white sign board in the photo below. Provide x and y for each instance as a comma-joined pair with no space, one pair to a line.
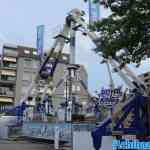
83,141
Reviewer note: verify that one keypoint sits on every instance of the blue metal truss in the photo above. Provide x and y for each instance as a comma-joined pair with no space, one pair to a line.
17,110
137,126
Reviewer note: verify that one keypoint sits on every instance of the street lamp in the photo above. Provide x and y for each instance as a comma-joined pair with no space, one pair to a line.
69,100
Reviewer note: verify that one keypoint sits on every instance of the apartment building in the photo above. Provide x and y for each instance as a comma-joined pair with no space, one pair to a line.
8,73
145,77
28,63
19,65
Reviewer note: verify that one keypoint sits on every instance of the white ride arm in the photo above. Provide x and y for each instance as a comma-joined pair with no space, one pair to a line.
77,17
59,44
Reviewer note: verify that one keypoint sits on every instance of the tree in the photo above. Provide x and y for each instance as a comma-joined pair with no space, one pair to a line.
128,27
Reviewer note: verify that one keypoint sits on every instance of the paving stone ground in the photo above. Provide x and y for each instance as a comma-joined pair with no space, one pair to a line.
25,145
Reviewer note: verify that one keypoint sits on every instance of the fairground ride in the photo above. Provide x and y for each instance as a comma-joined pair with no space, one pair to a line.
136,103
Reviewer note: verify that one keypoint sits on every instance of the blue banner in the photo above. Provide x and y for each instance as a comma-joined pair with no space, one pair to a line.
40,39
109,97
94,11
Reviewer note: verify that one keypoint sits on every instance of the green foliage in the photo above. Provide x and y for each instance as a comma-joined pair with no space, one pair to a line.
104,113
94,1
127,27
38,99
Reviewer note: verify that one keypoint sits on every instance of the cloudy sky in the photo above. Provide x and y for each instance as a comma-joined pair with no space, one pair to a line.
18,21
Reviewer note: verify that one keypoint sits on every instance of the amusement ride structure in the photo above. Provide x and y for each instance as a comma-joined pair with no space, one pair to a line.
136,103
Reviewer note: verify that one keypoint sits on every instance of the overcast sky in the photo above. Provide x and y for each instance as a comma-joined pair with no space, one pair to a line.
18,21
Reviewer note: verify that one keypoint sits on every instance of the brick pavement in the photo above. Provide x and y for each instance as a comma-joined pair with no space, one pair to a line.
25,145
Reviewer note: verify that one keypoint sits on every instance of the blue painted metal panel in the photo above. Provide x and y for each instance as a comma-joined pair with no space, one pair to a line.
137,127
40,39
94,12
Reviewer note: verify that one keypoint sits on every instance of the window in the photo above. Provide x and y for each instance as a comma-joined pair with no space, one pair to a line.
52,58
11,78
35,64
26,51
78,88
27,63
64,58
49,65
9,64
33,76
34,52
146,80
24,90
25,87
10,59
27,76
8,72
73,88
146,74
8,78
10,52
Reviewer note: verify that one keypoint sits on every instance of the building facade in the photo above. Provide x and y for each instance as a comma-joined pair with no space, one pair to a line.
145,77
28,63
8,75
19,65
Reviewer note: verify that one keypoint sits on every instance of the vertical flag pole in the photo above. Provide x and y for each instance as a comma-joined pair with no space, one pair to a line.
40,41
94,11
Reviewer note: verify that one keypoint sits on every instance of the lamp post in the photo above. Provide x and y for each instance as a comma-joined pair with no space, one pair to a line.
71,78
69,96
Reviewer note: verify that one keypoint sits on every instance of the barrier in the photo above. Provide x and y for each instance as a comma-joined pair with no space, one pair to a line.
46,131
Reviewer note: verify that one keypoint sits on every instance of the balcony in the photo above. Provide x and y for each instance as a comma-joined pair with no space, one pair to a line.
10,59
6,92
7,79
4,99
8,76
9,66
8,72
9,82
